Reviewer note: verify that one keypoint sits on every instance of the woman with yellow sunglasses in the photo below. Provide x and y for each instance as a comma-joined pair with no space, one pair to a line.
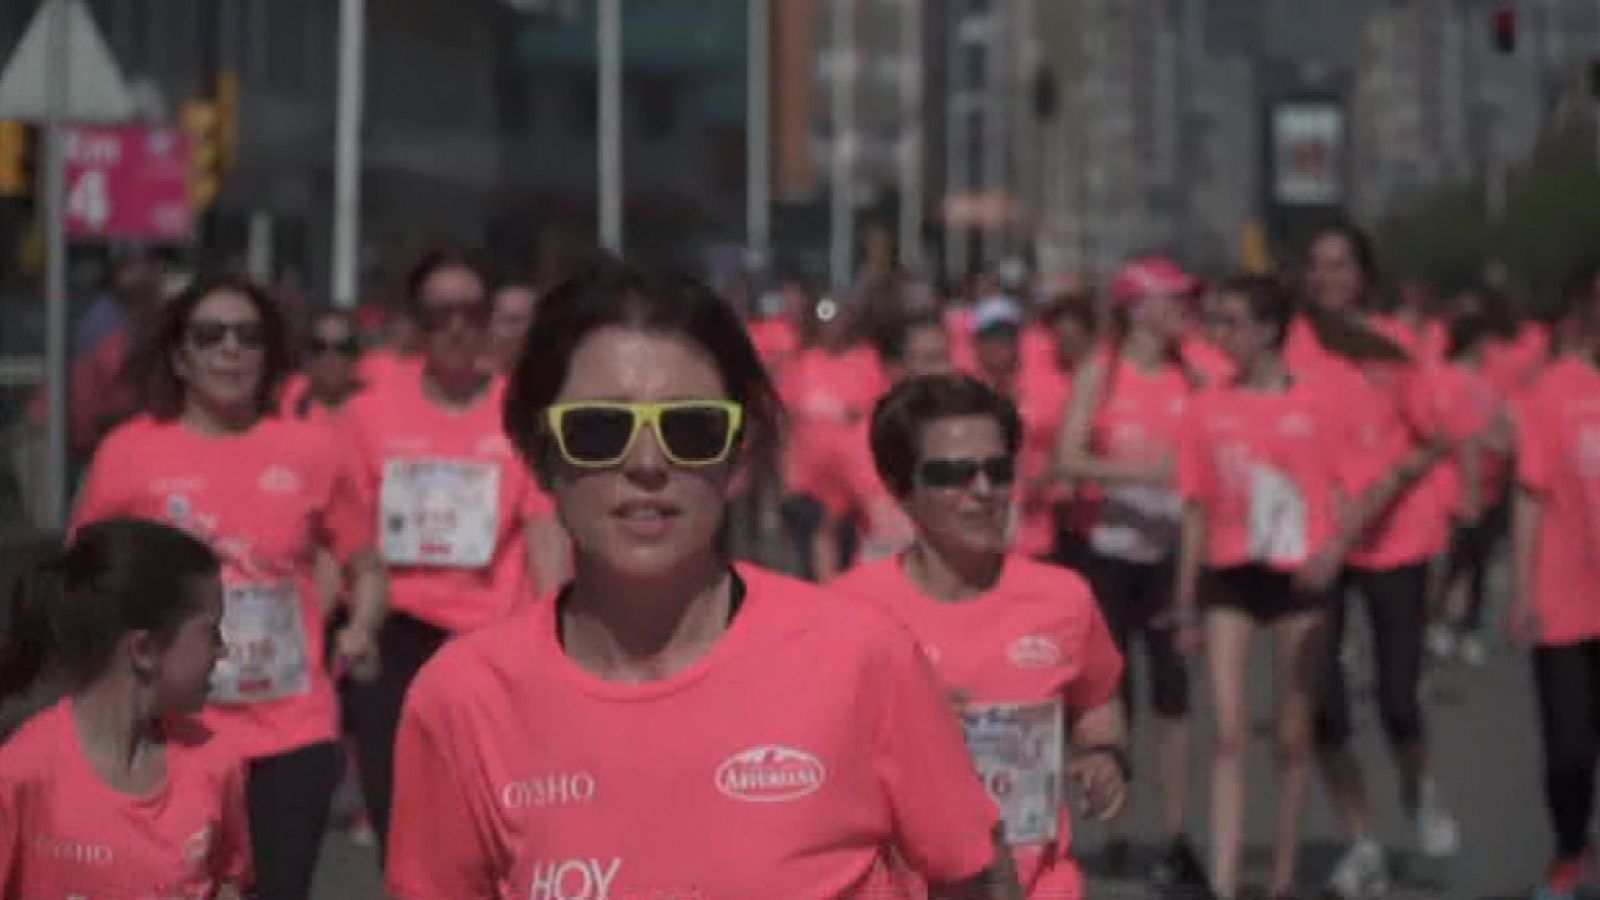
670,723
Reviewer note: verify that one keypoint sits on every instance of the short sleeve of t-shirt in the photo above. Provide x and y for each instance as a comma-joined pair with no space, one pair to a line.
101,496
1196,475
348,519
1100,673
436,848
944,820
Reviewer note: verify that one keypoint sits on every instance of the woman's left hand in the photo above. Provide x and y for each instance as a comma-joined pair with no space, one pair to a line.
1099,776
356,652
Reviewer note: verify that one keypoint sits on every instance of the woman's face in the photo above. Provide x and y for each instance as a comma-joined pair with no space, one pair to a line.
222,354
1240,335
184,671
1160,313
1333,278
453,312
644,517
971,518
927,351
334,351
1074,340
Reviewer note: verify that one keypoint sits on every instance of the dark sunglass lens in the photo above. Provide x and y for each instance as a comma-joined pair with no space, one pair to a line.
250,334
207,334
695,433
948,473
1001,470
596,434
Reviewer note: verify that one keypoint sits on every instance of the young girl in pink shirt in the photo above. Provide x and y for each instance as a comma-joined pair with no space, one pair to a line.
118,790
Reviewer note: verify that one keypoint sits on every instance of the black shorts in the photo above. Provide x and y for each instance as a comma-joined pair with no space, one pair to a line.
1262,593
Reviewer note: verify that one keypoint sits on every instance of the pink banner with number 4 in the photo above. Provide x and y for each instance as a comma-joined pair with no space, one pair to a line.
127,182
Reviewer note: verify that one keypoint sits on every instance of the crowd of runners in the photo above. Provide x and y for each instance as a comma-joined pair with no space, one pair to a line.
486,554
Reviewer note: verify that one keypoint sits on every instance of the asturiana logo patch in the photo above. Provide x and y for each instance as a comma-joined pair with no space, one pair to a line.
770,774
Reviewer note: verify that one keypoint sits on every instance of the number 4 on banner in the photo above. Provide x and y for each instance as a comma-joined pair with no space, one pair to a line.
89,201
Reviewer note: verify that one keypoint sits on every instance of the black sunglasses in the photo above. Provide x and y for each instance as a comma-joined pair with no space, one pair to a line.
442,316
207,333
349,346
1001,471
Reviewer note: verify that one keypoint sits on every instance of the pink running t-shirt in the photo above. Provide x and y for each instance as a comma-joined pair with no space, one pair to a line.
1138,420
265,501
802,756
1265,467
452,501
1036,638
1558,460
64,833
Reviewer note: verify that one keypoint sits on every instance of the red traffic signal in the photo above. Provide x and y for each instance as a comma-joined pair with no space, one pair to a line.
1505,28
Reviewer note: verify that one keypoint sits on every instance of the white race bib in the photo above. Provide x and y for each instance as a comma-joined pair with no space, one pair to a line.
1277,517
1138,523
1017,749
265,635
439,512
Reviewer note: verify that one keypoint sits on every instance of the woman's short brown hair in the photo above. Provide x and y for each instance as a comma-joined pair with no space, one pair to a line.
900,416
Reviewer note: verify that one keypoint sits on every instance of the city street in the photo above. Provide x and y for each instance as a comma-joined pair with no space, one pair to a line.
1486,747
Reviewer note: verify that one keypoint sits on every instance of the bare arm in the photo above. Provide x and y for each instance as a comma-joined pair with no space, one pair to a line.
1099,743
1075,460
1527,511
1472,478
1191,551
998,882
548,554
357,642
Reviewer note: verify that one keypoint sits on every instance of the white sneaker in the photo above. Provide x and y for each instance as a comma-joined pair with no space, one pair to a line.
1361,873
1438,834
1441,642
1474,651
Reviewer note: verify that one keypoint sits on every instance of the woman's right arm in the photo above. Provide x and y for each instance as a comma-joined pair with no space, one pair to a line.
1076,460
1191,550
1527,509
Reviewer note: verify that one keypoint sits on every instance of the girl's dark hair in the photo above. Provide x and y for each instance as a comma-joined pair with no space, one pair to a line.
1344,334
164,390
116,576
1496,310
1577,293
608,293
892,343
1267,300
899,417
436,260
1467,330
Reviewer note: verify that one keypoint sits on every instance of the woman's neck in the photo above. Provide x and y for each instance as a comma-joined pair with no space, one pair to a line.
218,421
1144,349
120,734
457,389
952,578
634,630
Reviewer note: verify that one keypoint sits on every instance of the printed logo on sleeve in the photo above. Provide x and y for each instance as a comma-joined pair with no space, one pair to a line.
770,774
1034,651
586,878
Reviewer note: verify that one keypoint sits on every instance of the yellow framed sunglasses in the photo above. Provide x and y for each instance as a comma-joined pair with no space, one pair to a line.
600,434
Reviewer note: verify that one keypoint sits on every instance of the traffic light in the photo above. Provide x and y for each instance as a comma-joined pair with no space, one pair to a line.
204,127
16,159
1505,28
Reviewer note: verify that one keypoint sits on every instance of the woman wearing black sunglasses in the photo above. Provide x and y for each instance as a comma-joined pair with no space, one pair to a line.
330,374
466,533
268,495
670,724
1019,645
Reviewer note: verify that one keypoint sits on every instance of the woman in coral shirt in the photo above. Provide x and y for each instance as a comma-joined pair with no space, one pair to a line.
118,790
670,724
1019,644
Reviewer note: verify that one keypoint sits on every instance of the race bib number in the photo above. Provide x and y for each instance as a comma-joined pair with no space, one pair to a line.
439,512
1138,523
1017,749
1277,517
265,635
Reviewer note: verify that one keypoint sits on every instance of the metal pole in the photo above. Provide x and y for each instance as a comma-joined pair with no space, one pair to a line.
55,509
956,145
841,233
347,153
910,239
609,38
758,147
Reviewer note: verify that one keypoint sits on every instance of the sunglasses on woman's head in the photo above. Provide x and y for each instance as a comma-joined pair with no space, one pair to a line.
1001,471
600,434
207,333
